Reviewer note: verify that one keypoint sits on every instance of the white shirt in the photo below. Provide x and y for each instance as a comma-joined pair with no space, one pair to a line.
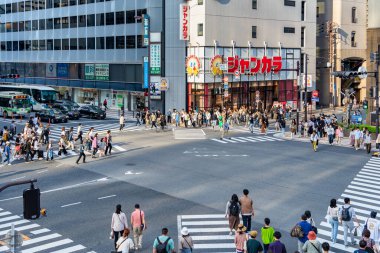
79,129
332,212
119,221
373,226
121,120
124,244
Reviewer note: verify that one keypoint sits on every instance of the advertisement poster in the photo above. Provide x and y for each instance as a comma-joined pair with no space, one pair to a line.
155,92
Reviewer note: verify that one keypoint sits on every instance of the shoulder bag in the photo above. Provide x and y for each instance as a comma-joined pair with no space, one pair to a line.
117,247
120,220
314,246
188,244
142,226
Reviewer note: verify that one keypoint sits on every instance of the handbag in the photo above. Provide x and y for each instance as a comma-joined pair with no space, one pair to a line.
315,247
142,226
117,247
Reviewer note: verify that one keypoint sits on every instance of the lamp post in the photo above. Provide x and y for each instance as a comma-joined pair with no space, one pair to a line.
305,102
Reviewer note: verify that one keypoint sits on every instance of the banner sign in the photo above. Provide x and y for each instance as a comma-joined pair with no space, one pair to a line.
184,10
254,65
155,92
164,84
102,72
89,72
146,23
146,73
51,70
155,59
63,70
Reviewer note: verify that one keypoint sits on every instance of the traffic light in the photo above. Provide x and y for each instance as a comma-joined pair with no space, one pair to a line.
350,74
371,92
365,104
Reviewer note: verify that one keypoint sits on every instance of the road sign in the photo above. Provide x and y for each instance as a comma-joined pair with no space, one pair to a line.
315,99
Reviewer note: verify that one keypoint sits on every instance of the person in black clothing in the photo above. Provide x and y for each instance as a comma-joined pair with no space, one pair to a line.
81,153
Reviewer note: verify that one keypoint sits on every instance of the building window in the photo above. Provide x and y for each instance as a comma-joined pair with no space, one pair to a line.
57,3
57,44
15,46
289,30
57,24
15,26
303,9
110,18
200,2
200,29
35,45
254,4
100,19
42,24
73,2
131,41
34,26
353,39
100,43
140,41
49,24
130,17
110,42
64,3
73,22
65,44
82,1
49,5
90,43
302,63
74,44
82,21
90,1
140,13
91,20
82,43
120,15
120,42
14,8
289,3
353,15
2,9
254,32
21,46
303,36
65,22
49,45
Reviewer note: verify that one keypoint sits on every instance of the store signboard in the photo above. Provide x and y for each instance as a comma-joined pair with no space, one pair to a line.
164,84
102,72
146,73
146,23
89,72
63,70
155,92
309,81
155,59
120,100
51,70
184,30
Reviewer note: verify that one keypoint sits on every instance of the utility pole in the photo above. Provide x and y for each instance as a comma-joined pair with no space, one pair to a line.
377,89
305,100
299,94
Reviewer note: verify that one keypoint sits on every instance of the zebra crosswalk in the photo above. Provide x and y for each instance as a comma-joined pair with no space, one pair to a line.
255,130
37,239
364,194
210,232
245,139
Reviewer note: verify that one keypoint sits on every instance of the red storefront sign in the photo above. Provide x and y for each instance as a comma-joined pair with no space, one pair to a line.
254,65
184,22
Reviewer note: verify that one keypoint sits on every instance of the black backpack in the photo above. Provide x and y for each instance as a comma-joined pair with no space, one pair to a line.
161,247
234,209
346,214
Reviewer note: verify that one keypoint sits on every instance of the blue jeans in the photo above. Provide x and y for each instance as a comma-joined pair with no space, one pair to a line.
251,127
186,250
7,159
49,155
331,138
348,227
247,219
334,229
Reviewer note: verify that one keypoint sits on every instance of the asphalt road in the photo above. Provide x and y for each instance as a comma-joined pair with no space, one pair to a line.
184,177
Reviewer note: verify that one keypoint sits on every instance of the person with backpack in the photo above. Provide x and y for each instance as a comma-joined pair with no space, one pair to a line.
312,245
163,243
305,228
186,244
346,217
232,213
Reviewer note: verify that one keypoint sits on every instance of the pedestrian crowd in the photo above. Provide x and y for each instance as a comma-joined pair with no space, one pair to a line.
33,142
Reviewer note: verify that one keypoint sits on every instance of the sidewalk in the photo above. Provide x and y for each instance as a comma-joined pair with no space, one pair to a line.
345,141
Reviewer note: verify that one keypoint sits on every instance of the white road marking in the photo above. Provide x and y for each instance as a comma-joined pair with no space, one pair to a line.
72,204
106,197
14,179
215,246
13,217
363,194
208,230
119,148
211,237
197,223
5,213
47,246
363,189
70,249
42,171
20,228
366,181
40,231
203,216
220,141
19,222
238,140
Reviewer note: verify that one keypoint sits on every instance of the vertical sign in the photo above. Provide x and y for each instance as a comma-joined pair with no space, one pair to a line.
155,59
146,73
51,70
102,72
89,72
184,10
155,92
146,23
62,70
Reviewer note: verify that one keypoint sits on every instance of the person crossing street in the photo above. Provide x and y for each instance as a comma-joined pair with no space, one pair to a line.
81,153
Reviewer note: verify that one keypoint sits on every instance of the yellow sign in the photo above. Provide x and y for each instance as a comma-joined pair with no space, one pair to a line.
192,65
215,65
164,86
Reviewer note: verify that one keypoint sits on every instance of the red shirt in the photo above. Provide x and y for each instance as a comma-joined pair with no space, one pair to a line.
136,219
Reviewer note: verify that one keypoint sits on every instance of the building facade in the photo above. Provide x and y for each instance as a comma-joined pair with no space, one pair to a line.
248,35
89,50
341,45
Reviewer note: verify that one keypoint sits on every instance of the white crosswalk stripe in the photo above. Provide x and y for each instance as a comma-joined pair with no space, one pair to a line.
210,232
55,131
247,139
255,130
364,194
39,239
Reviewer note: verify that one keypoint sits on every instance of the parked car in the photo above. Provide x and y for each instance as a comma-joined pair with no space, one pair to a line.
52,116
92,112
68,103
67,110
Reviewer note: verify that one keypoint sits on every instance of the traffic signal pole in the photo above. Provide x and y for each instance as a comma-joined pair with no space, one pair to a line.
305,101
377,89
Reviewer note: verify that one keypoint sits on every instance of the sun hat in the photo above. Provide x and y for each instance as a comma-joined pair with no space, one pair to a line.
184,231
312,235
241,228
253,233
